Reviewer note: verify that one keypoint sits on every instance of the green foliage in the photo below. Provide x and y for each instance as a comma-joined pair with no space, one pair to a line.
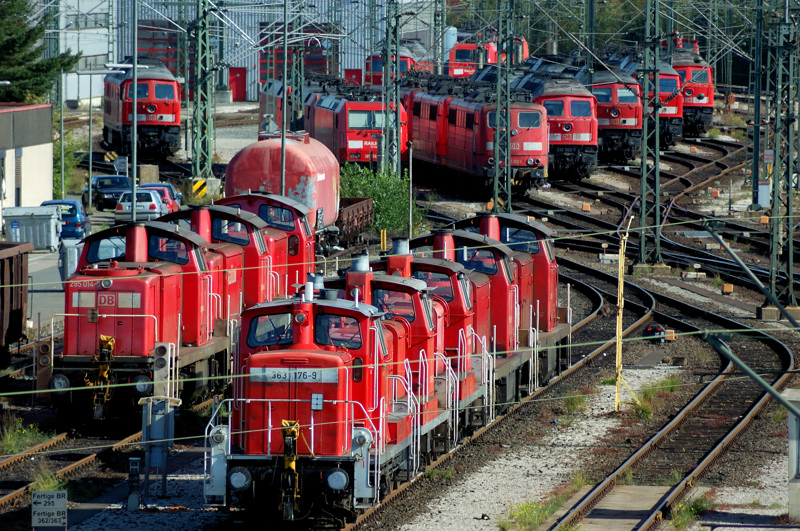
74,183
713,133
15,438
738,134
685,513
643,410
610,380
575,402
528,516
389,194
46,481
436,473
22,47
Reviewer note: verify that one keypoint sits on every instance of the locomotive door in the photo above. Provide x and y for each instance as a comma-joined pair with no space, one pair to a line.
237,81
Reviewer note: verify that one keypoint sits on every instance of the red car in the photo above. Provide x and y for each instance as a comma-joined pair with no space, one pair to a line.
166,197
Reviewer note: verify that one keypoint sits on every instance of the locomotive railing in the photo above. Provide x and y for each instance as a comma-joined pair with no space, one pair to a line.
487,375
414,410
451,380
514,290
375,357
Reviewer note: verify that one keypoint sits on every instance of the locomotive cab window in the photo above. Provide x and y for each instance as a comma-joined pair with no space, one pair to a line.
108,249
530,120
438,283
165,92
337,331
394,303
667,84
626,95
480,260
167,249
554,107
580,109
229,231
365,119
603,95
520,240
277,217
141,92
465,55
699,76
270,329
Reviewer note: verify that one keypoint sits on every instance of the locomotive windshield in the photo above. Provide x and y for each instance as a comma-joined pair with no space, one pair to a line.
520,240
394,303
603,95
229,231
554,107
277,217
165,92
108,249
626,95
167,249
480,260
365,119
337,331
667,84
141,92
530,120
438,283
580,108
269,330
465,55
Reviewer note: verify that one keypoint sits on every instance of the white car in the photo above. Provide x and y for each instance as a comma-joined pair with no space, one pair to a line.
148,206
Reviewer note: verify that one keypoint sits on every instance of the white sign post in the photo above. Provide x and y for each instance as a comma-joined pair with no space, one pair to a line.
49,508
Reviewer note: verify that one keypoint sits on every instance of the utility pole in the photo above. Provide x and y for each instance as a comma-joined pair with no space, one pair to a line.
438,32
297,95
650,192
589,42
756,73
784,36
202,128
391,88
502,156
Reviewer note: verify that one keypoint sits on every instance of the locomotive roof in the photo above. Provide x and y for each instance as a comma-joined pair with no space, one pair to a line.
686,57
341,304
158,227
508,220
543,86
478,241
155,70
226,211
611,76
438,262
413,283
288,201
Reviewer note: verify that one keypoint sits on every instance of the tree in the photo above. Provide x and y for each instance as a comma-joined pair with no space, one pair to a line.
22,48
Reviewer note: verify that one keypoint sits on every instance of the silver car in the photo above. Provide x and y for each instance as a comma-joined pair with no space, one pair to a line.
148,206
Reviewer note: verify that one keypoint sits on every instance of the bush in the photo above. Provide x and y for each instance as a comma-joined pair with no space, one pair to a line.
389,194
72,184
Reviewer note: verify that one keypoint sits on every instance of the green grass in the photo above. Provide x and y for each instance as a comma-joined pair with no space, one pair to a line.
643,410
684,514
779,416
575,402
609,381
45,480
738,134
435,473
528,516
713,133
15,437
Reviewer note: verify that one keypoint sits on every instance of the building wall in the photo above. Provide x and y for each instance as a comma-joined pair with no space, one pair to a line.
26,155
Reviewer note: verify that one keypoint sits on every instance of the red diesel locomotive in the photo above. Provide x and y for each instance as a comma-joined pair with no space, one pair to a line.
155,296
158,109
458,132
339,393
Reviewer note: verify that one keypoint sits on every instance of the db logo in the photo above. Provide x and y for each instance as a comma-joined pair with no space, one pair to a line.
106,299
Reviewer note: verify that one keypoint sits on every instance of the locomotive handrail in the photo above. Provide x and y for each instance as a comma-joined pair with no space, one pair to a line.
514,290
376,352
452,394
414,411
487,367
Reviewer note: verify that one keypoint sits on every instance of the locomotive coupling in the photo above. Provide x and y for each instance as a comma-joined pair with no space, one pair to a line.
100,380
290,429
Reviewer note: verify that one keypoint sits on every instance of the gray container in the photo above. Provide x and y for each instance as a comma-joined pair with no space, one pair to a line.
39,225
68,253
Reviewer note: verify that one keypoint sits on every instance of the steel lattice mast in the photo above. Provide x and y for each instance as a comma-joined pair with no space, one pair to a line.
203,122
650,201
502,156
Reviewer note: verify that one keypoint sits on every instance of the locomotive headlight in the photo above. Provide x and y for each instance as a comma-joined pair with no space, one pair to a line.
337,480
239,479
514,132
701,96
614,113
689,92
491,160
567,127
530,162
106,283
142,384
59,383
151,108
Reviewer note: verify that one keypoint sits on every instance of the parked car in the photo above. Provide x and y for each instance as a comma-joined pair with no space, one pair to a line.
106,190
166,196
176,195
148,206
75,221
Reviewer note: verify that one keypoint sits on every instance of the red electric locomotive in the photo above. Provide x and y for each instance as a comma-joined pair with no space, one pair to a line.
351,123
458,132
697,82
412,57
158,109
339,399
145,297
572,121
469,55
619,114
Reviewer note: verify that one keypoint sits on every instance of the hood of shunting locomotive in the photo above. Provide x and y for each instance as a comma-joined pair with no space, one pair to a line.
311,387
137,306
